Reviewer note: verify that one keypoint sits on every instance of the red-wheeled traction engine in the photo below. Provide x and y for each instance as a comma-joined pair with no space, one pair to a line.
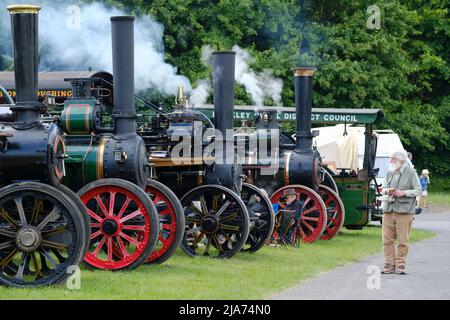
101,156
220,215
43,230
322,212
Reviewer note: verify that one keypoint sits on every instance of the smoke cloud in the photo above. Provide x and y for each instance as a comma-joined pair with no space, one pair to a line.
78,36
259,85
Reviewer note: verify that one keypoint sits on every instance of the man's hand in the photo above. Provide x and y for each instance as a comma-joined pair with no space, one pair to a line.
399,193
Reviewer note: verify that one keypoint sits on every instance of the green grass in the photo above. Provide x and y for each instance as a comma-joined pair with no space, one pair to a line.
439,198
242,277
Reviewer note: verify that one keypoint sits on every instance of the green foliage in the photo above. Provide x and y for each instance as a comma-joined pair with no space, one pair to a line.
439,185
402,68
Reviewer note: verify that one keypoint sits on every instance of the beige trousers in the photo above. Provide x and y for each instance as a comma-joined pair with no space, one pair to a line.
396,226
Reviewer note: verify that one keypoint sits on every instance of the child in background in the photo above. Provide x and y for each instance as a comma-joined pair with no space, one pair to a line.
424,181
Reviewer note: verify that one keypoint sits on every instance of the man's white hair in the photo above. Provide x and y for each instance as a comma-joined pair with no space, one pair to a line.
401,155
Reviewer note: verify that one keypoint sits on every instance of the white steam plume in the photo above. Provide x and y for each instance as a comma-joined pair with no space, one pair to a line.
78,36
259,85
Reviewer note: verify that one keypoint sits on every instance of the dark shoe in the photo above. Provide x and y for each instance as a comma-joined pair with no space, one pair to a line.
388,269
401,270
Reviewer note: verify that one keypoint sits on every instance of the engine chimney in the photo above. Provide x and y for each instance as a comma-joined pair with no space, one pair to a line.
124,115
24,26
223,82
303,105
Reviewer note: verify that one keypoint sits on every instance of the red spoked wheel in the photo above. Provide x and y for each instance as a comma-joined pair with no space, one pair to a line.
171,221
312,211
124,224
335,210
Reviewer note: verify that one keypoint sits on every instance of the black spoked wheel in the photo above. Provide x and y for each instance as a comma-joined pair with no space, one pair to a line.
262,217
41,235
86,220
217,222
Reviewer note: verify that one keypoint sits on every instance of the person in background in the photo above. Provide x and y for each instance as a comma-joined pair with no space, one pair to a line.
424,181
401,186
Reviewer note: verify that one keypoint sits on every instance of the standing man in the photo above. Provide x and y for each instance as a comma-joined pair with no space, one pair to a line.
401,186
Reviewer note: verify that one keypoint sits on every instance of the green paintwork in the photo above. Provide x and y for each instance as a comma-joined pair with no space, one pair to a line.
78,116
319,115
82,163
354,193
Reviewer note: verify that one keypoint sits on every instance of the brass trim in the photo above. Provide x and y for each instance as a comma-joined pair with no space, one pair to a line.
304,71
23,8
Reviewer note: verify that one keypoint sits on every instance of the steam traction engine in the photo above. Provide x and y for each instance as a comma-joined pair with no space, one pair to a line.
223,215
124,214
321,211
42,229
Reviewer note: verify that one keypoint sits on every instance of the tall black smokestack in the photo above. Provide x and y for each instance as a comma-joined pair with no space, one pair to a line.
122,29
223,82
303,104
24,26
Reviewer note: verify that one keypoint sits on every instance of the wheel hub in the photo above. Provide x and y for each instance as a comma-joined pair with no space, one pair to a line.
110,227
210,224
28,239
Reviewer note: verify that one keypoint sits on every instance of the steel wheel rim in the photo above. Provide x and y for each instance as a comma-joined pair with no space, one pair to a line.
262,228
36,226
314,215
167,221
335,210
115,232
201,238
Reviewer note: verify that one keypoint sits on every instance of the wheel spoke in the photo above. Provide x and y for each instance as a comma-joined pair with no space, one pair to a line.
223,208
193,230
96,234
215,202
5,215
23,262
19,205
193,220
122,247
48,257
99,246
101,205
94,215
230,217
47,219
55,245
198,239
194,208
36,266
134,228
38,206
308,226
129,239
6,245
56,230
109,249
112,200
203,204
217,242
306,202
131,216
7,233
208,244
229,227
310,218
310,210
124,207
8,258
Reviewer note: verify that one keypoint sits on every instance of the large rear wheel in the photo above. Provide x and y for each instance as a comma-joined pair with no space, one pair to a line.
41,235
171,221
124,224
262,217
335,211
217,222
313,213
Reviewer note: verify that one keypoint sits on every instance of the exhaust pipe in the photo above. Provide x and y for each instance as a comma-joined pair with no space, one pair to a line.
303,105
223,82
24,26
122,29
